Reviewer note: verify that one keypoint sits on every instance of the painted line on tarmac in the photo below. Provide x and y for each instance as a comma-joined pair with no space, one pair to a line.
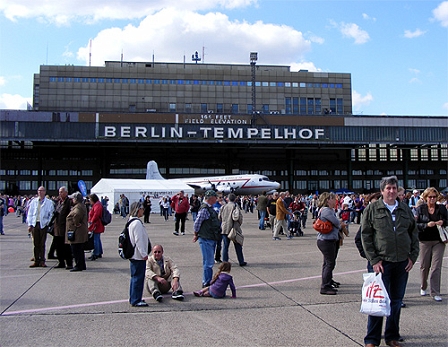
91,304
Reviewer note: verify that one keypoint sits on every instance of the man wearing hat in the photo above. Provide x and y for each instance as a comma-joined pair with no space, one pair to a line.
207,230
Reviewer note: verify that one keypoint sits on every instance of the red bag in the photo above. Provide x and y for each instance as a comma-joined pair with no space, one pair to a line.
322,227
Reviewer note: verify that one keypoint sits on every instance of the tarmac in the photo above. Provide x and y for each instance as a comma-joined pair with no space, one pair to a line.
278,301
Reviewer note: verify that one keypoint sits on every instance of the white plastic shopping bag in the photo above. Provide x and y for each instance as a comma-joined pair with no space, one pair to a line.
375,300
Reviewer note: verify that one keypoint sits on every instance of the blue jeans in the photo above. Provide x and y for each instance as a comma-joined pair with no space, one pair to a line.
97,245
138,270
194,215
208,253
395,279
262,217
1,224
225,250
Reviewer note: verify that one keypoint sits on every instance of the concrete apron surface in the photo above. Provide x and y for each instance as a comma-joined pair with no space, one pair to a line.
278,301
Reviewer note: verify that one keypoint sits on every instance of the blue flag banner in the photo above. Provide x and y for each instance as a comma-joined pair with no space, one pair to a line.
82,187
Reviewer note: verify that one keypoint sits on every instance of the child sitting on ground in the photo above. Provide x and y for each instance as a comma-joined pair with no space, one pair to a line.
219,283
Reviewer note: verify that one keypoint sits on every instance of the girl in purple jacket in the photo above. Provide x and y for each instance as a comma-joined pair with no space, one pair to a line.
219,283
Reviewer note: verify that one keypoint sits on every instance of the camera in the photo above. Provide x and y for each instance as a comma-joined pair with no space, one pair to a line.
71,235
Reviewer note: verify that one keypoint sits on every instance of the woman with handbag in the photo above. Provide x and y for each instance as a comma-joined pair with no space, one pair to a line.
77,231
328,243
231,218
429,215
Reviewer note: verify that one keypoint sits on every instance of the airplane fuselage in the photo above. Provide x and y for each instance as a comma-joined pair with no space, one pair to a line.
238,184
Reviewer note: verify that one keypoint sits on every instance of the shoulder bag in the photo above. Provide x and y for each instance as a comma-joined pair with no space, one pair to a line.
322,227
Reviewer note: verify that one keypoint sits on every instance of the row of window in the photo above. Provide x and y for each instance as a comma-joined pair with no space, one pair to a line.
75,173
51,186
195,82
421,172
382,153
298,106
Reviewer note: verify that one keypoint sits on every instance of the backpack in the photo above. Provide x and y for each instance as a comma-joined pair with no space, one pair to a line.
125,247
106,217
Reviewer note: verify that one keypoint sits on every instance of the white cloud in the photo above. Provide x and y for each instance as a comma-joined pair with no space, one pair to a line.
352,30
414,71
411,34
441,13
13,102
445,106
2,81
414,80
359,101
63,12
367,17
172,34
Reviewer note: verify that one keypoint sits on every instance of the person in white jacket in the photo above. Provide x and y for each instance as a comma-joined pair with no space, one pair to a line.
140,240
40,213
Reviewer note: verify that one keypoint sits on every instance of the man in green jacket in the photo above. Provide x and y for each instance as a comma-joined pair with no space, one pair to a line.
390,241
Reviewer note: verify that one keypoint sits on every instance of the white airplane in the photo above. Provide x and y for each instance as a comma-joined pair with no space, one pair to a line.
238,184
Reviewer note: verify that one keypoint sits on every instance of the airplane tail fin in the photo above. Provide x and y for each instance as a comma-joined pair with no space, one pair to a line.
152,171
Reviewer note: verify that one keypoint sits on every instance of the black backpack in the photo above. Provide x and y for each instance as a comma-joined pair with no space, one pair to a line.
106,217
125,247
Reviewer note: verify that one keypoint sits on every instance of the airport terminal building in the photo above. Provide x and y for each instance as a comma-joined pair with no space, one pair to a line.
211,119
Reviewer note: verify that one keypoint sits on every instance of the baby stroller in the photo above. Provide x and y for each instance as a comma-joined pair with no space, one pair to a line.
295,228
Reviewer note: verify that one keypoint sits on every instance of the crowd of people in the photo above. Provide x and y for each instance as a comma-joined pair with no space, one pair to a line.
395,228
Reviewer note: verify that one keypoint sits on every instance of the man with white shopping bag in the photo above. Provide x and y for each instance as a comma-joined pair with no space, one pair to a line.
390,240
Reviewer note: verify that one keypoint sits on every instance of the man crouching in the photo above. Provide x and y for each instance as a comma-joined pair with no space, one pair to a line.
162,275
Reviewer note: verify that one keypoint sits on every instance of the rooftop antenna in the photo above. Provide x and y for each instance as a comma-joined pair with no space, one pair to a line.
195,57
203,54
121,61
90,52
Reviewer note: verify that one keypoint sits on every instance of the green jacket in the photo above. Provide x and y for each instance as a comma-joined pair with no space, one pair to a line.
379,239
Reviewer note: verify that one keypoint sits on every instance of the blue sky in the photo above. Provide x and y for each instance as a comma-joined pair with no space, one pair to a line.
396,51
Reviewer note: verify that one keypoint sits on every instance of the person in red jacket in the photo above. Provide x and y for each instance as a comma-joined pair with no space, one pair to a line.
180,204
96,226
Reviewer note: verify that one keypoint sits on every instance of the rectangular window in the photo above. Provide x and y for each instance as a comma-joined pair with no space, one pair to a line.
310,105
362,154
295,105
340,108
249,108
287,84
332,105
219,108
288,105
132,80
93,80
234,109
272,84
172,107
264,84
265,109
204,108
87,172
124,80
116,80
188,108
100,80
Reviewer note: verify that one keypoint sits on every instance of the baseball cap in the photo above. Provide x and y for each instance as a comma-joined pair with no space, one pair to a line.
209,193
76,195
415,191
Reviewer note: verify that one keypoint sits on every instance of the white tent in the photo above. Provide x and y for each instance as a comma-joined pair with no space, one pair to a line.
138,188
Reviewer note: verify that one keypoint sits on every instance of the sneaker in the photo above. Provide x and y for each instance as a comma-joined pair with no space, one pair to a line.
175,233
328,291
157,296
177,295
276,238
182,233
140,304
423,292
289,237
198,293
437,298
